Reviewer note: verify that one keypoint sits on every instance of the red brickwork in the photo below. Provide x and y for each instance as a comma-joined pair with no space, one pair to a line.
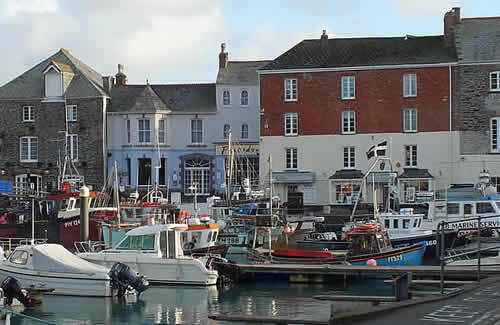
379,101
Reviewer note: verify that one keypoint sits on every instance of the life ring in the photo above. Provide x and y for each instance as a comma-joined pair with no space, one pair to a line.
366,227
183,215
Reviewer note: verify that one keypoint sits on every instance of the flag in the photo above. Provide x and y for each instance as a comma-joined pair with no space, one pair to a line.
377,150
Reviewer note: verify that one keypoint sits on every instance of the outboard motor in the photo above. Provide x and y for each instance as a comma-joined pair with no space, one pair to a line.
12,289
124,279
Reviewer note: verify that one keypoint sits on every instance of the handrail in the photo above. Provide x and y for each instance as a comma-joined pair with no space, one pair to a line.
441,229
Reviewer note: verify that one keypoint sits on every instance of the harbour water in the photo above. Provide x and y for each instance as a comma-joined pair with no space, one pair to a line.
192,305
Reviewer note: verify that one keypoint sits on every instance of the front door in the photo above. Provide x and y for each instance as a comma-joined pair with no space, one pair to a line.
144,172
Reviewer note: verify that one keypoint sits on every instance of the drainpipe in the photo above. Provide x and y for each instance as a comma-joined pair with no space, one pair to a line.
450,134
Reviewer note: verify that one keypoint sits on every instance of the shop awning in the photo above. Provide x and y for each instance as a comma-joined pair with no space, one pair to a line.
347,174
415,173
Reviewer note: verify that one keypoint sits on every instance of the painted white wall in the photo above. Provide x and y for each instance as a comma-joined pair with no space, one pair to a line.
235,114
323,155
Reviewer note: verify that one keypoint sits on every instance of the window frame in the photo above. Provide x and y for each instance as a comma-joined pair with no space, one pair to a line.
493,73
30,157
494,134
346,117
162,131
31,113
224,97
349,157
242,98
225,131
351,81
289,94
142,131
407,78
128,131
291,158
289,119
411,155
72,151
413,119
195,131
71,113
244,131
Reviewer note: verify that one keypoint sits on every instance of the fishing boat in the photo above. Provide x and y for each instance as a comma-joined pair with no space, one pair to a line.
201,236
367,242
156,251
52,266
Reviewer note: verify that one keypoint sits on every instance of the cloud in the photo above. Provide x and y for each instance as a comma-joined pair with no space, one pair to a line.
164,41
422,8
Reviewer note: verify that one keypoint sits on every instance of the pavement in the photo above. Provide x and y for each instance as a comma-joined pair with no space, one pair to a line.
474,305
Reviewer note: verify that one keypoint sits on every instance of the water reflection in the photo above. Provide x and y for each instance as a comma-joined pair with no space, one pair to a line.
192,305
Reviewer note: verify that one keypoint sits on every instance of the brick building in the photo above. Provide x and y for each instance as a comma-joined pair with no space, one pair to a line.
57,95
325,102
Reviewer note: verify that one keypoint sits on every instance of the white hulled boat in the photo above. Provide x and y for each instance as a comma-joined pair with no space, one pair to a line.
52,266
156,252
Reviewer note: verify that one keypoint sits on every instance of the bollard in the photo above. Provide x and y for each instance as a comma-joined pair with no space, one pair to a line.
84,213
331,321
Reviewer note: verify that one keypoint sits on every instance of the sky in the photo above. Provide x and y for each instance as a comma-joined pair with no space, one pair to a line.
178,41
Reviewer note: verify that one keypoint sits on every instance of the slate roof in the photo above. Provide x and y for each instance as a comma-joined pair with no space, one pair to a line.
478,39
240,73
354,52
85,83
347,174
185,98
415,173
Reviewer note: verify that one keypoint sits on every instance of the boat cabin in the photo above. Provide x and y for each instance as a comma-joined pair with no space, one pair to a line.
201,233
404,222
368,240
163,241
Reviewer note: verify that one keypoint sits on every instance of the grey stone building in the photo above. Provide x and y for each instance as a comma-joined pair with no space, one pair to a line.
477,91
59,104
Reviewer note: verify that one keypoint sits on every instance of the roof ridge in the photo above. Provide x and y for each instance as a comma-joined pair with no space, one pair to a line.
372,37
481,18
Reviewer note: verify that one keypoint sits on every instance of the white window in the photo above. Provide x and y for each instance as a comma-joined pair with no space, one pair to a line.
348,122
494,131
290,90
291,124
53,83
28,148
73,146
197,176
349,157
28,114
409,85
196,131
144,131
226,130
128,131
244,98
162,131
348,87
244,131
291,158
226,98
411,155
71,113
495,81
410,120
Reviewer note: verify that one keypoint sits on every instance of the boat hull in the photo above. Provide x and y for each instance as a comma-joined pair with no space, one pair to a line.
411,255
431,242
63,283
216,249
158,270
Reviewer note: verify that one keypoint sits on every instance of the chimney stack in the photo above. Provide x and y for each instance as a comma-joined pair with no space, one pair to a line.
121,78
324,40
107,83
223,56
451,19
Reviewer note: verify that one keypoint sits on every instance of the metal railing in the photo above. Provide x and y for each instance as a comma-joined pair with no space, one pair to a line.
441,230
9,244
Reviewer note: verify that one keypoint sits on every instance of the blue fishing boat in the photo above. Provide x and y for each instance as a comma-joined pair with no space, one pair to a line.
367,242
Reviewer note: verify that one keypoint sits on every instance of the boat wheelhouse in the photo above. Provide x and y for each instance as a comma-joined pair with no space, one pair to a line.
156,251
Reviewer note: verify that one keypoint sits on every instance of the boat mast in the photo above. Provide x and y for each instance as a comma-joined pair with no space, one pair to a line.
117,195
231,166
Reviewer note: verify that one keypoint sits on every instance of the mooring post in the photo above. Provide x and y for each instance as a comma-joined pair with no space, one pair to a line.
84,213
331,321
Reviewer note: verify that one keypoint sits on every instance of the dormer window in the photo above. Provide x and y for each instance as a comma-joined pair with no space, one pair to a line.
53,82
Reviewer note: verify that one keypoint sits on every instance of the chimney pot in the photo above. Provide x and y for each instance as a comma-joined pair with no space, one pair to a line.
121,78
223,56
324,39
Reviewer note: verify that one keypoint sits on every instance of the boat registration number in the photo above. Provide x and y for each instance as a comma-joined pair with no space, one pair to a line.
228,240
395,258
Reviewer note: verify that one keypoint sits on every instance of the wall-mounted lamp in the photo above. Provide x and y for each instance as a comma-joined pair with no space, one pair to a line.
3,172
46,171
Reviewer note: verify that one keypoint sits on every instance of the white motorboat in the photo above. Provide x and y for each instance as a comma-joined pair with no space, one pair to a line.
51,266
156,252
